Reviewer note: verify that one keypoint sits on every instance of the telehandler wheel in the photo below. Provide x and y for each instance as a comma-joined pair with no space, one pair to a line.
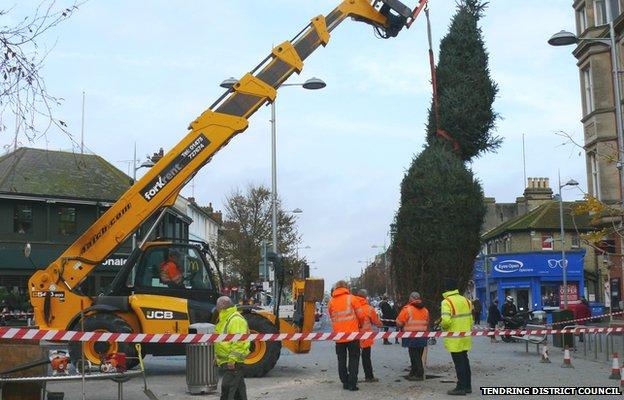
94,352
263,355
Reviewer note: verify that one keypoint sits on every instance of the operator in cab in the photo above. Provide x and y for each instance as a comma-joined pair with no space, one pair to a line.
170,271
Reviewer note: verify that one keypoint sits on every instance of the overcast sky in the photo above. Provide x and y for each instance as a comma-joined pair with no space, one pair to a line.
149,68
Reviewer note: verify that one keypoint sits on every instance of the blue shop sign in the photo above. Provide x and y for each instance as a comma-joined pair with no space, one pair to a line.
535,264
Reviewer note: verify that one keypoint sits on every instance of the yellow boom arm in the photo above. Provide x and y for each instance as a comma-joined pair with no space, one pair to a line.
212,130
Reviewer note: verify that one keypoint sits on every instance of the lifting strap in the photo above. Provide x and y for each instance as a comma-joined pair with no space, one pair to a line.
436,110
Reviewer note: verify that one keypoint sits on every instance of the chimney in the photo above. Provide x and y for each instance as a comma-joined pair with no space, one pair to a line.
537,192
157,156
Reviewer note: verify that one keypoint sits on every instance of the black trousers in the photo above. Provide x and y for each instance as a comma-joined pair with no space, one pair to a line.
348,374
415,355
233,384
462,368
367,364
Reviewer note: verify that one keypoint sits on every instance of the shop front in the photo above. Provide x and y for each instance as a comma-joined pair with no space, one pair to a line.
534,279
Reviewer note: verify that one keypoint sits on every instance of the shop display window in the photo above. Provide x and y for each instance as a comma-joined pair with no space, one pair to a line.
550,296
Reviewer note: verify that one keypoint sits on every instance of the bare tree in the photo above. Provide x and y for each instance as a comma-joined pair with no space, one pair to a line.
23,92
246,224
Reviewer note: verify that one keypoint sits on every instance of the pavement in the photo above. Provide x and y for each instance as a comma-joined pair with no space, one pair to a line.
314,375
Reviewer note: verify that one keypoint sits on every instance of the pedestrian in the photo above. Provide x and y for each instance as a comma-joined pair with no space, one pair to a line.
343,312
388,315
582,311
396,309
509,308
231,355
476,311
456,316
368,317
414,317
493,317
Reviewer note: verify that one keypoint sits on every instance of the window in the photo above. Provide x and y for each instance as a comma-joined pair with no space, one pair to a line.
22,219
575,242
176,268
600,12
547,241
588,89
595,176
67,221
550,296
581,19
614,7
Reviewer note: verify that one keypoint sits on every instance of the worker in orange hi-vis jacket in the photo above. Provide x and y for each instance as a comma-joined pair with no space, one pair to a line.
368,317
414,317
344,315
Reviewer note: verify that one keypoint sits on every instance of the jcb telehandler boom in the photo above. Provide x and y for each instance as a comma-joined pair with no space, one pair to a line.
139,300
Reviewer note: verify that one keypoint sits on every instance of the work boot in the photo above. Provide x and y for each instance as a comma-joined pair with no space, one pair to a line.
414,378
371,380
386,342
456,392
353,388
345,386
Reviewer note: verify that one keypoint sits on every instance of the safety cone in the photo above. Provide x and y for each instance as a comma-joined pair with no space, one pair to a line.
567,361
545,358
615,367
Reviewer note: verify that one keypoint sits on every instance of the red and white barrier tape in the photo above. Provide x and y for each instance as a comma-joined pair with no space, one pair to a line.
588,318
560,322
72,336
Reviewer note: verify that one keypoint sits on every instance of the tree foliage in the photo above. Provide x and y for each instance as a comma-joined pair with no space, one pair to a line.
374,279
437,226
247,222
465,90
23,92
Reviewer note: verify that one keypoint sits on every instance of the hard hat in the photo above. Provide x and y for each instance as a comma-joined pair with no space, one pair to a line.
509,299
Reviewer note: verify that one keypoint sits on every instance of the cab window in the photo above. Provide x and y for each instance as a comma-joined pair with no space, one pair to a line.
172,267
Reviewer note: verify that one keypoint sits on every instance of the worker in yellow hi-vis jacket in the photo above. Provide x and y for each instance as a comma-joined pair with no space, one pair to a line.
456,316
231,355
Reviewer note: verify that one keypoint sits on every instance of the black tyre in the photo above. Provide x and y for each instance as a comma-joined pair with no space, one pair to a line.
263,355
94,352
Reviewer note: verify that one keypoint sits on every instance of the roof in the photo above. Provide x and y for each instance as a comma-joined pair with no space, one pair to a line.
61,174
543,218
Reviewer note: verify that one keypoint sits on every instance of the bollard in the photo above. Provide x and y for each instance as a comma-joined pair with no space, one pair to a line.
622,377
615,367
545,358
567,361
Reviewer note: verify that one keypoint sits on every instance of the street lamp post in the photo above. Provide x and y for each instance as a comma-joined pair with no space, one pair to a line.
564,263
310,84
486,270
564,38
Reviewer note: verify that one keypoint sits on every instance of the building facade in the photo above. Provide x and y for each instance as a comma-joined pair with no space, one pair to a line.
48,198
593,18
523,254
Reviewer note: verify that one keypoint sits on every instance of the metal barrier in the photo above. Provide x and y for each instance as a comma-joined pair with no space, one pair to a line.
597,346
